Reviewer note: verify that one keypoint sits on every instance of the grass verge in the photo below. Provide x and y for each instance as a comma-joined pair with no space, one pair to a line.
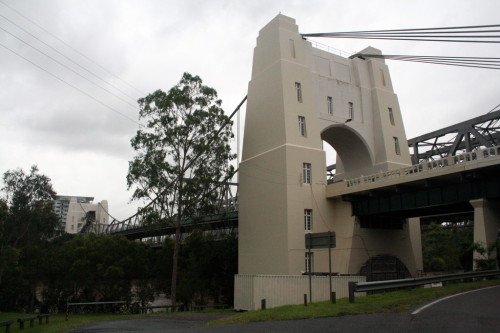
396,301
57,322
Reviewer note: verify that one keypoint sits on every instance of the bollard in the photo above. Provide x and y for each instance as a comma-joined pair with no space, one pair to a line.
263,304
333,297
305,299
352,286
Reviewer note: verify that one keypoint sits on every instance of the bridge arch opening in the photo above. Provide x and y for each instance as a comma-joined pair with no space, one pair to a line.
352,154
384,267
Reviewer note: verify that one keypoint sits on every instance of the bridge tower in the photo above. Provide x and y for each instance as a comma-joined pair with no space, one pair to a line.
298,96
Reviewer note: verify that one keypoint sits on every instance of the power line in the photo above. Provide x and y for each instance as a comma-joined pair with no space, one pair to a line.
475,62
427,29
68,58
481,34
69,68
70,47
69,84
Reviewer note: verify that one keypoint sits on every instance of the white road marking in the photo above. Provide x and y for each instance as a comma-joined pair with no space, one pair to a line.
447,297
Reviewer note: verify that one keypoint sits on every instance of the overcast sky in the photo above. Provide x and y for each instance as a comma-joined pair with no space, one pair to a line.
83,143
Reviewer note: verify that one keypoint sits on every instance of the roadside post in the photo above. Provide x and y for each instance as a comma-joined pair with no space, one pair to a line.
321,240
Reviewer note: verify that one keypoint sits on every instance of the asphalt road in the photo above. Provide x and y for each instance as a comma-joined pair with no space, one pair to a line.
476,311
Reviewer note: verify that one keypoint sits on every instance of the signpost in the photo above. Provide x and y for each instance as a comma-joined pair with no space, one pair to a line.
321,240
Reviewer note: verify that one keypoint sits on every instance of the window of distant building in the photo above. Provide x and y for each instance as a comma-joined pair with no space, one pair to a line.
351,110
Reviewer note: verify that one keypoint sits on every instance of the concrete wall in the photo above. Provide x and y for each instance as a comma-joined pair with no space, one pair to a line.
273,195
279,290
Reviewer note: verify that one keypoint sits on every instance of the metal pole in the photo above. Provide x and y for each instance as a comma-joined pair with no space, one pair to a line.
352,286
310,270
333,297
330,260
238,144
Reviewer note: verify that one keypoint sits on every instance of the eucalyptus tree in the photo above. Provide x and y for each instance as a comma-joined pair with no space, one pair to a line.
182,155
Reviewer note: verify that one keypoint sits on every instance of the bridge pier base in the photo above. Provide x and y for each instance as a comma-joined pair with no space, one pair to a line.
486,223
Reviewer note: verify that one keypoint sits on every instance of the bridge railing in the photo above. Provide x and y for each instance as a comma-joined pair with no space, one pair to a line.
447,162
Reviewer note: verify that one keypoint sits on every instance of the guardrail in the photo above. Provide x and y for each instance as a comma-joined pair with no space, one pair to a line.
450,161
355,287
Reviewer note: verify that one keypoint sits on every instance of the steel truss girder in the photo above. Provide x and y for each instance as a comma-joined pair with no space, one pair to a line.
482,131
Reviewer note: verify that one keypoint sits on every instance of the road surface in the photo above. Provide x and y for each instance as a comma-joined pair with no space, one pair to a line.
475,311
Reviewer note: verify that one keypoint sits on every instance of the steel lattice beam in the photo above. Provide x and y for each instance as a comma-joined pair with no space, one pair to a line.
482,131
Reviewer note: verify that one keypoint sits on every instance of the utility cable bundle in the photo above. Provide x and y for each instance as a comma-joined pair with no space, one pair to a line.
464,34
477,62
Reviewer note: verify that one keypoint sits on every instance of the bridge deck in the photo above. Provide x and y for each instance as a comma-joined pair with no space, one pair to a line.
438,189
446,169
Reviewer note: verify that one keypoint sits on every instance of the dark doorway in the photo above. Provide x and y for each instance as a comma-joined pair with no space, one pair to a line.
384,267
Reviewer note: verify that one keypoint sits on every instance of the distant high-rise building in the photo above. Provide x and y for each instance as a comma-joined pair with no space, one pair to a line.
73,211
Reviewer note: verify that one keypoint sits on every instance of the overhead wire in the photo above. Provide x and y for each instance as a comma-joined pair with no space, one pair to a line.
66,57
71,85
70,47
69,68
475,62
478,34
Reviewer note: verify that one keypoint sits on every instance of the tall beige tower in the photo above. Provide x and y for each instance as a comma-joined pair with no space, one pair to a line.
298,96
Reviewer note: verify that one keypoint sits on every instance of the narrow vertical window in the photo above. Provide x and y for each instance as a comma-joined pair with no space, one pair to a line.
308,219
329,103
391,116
306,173
309,262
298,90
302,126
396,145
351,111
292,48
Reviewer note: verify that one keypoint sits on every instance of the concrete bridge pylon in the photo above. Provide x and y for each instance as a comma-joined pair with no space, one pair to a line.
298,97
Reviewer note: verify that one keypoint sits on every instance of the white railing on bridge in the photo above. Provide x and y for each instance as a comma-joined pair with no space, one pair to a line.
447,162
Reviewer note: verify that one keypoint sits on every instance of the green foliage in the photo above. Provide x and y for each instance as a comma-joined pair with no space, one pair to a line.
208,265
447,249
27,221
487,255
111,268
79,268
29,197
180,156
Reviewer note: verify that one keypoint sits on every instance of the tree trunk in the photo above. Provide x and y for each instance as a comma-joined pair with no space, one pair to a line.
175,259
